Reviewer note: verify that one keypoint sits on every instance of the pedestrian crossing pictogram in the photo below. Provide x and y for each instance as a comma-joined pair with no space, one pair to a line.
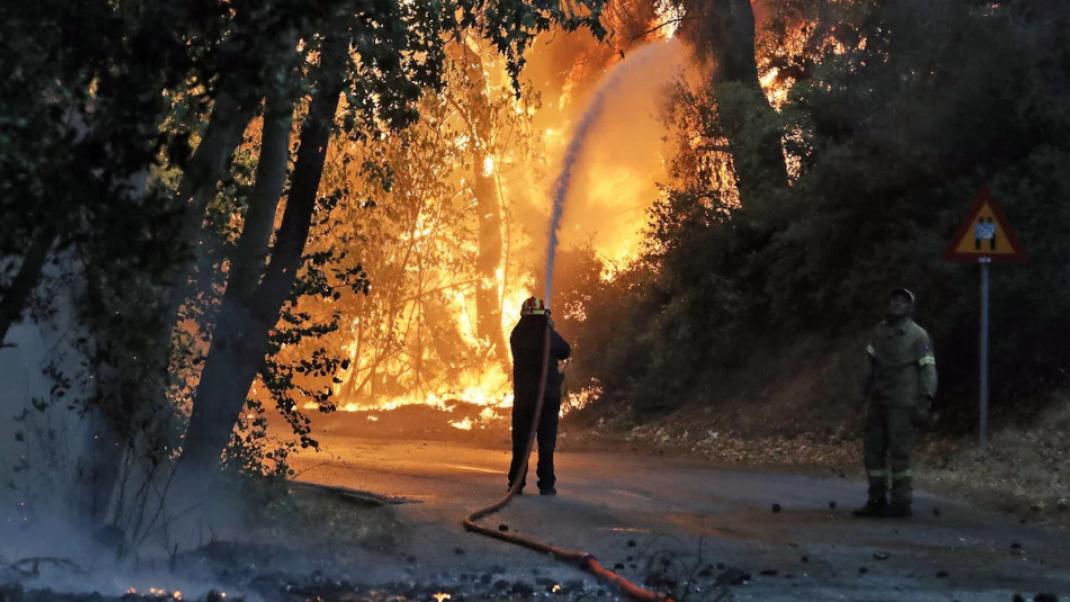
985,235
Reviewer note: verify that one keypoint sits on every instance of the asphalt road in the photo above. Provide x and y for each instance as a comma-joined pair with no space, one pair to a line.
675,520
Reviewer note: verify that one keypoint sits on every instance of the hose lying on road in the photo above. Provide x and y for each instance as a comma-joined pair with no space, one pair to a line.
582,559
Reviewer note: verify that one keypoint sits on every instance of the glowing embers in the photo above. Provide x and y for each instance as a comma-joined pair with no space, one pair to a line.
481,401
494,394
156,592
463,425
485,417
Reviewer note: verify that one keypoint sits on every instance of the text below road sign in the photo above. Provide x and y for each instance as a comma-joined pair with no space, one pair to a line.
985,235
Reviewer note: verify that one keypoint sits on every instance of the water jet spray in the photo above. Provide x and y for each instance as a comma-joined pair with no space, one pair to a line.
580,558
574,151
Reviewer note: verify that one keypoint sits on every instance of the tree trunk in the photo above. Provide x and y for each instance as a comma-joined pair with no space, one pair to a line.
246,268
112,420
225,128
488,297
248,262
29,274
488,207
727,28
98,471
196,189
240,340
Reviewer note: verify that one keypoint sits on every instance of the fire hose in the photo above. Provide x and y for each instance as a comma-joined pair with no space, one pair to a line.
582,559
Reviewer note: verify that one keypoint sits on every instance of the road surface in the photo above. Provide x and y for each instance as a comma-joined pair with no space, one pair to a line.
676,520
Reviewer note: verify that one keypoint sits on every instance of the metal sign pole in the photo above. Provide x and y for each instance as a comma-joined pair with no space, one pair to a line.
983,430
984,236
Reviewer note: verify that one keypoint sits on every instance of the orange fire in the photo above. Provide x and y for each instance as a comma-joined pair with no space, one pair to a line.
607,209
614,184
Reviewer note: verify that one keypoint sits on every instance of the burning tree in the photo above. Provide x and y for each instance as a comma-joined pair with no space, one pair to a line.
433,242
141,171
397,50
788,215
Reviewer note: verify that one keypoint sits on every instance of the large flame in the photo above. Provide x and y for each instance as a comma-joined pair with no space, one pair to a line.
615,183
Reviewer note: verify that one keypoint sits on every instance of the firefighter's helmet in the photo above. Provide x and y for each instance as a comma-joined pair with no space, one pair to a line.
904,293
533,307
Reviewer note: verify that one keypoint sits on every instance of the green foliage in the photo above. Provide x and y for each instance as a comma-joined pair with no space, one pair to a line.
400,52
899,115
103,106
89,130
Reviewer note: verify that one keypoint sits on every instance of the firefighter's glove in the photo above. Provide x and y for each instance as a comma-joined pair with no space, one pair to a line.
922,417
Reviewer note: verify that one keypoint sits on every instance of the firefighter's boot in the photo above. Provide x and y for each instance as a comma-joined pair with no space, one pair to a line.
877,505
902,495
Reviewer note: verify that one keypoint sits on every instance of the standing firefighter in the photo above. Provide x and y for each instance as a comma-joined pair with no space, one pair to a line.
899,388
526,342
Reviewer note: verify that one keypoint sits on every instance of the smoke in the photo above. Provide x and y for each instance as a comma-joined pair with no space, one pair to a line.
49,442
640,62
39,433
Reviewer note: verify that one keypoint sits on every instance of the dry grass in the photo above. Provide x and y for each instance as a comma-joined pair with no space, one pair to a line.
1022,469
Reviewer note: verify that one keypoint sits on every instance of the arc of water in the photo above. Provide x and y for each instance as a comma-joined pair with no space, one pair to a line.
575,150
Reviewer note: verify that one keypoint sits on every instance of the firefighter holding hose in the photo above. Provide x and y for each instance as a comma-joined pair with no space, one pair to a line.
526,343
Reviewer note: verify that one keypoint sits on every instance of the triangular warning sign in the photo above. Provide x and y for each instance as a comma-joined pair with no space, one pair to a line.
985,233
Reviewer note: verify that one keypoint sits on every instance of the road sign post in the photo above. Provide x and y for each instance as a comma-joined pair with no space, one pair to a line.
982,431
984,237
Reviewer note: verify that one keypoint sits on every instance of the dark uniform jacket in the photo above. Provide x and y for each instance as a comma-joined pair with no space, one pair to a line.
526,343
901,367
